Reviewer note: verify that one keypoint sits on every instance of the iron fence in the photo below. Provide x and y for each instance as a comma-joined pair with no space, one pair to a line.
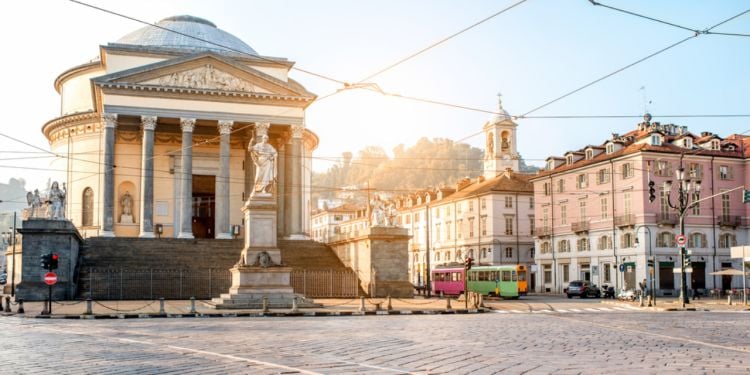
207,283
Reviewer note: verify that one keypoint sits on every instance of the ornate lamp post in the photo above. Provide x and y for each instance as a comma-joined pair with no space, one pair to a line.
684,188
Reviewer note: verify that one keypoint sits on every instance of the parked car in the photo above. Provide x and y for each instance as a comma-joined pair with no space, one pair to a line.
583,289
3,278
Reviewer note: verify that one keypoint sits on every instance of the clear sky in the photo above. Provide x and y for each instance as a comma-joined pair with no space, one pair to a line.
533,53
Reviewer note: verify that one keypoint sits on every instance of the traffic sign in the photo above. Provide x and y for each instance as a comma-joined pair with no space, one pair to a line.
622,267
681,239
50,278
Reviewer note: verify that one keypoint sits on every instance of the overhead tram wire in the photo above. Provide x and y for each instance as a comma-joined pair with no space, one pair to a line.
439,42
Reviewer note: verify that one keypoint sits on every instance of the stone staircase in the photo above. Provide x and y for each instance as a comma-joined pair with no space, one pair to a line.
309,255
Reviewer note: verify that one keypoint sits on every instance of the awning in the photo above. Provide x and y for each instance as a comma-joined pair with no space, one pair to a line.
666,264
729,272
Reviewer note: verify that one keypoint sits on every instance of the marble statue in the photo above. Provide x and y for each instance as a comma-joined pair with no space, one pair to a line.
56,199
35,203
126,203
390,215
264,157
377,212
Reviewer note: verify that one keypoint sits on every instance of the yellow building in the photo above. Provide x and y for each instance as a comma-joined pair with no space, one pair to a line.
155,132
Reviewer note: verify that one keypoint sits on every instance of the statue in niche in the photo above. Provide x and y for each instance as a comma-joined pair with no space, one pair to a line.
56,200
35,204
264,157
126,203
505,143
377,212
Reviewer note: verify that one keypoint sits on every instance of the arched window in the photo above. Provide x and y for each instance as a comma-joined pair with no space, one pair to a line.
626,240
437,256
87,208
484,253
604,243
545,247
727,240
471,253
697,239
448,256
459,255
665,239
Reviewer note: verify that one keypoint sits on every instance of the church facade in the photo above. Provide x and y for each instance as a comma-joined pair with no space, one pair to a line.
154,135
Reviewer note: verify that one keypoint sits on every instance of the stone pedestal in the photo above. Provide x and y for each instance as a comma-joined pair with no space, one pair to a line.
260,272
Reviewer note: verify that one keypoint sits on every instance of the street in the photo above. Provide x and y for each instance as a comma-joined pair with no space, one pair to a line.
552,335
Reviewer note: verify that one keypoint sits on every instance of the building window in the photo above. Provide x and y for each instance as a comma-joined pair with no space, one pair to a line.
602,176
727,240
626,203
437,213
606,269
725,172
696,210
531,201
508,202
531,225
582,210
605,208
508,225
471,227
665,239
448,230
509,252
545,247
725,205
563,246
604,243
460,228
531,253
715,145
589,154
483,223
560,185
484,253
566,273
697,240
547,274
656,140
87,211
627,170
582,181
447,211
569,159
626,240
484,203
437,256
547,188
471,206
663,168
610,148
545,217
564,214
582,244
437,231
695,170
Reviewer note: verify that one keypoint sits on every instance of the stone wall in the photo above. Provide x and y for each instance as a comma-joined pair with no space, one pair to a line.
379,256
42,236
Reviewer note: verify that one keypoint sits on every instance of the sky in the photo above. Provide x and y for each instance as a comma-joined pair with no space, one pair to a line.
532,54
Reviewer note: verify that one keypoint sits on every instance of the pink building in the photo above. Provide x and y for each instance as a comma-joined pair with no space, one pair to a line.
594,219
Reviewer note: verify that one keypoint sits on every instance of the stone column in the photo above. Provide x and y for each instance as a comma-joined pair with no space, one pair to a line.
281,200
147,179
186,211
295,191
222,182
108,216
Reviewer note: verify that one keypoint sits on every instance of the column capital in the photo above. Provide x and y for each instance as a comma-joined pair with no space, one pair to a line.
225,126
148,122
187,124
261,128
110,120
297,130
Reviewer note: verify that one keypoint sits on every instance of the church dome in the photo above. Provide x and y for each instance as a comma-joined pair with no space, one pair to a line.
501,114
209,37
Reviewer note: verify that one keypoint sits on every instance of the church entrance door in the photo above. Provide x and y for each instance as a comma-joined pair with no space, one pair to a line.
204,206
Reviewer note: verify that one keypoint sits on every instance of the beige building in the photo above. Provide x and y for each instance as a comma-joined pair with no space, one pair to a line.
156,129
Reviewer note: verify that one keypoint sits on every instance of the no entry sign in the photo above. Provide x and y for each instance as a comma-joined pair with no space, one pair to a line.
681,239
50,278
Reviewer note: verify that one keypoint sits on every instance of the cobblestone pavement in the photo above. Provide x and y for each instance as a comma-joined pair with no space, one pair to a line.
616,341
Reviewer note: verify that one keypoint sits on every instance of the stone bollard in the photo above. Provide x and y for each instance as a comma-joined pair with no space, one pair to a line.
88,306
161,306
448,304
192,305
265,304
362,304
640,300
20,306
7,304
729,300
649,301
389,307
481,300
295,309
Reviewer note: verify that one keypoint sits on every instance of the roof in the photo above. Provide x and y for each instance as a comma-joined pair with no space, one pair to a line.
189,33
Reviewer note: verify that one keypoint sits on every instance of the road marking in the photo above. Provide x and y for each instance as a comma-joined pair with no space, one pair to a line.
576,310
562,311
590,309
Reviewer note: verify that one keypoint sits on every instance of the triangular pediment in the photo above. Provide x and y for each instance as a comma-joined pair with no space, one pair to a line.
204,72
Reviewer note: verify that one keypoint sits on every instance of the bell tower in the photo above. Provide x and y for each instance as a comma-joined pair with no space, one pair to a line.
500,143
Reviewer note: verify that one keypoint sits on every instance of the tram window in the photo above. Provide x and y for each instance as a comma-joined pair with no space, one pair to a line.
522,276
513,275
506,275
455,276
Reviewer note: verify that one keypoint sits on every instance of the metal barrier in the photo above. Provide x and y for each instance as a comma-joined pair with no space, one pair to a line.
122,284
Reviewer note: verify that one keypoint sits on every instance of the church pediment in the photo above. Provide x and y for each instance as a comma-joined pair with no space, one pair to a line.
206,72
206,77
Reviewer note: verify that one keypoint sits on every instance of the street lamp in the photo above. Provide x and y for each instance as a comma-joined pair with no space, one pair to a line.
684,187
651,258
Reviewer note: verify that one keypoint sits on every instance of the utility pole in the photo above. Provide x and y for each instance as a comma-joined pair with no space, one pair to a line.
13,260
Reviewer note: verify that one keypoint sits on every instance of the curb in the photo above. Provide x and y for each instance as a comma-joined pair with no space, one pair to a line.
258,314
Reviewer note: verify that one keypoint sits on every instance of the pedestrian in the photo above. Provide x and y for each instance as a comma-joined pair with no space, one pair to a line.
643,285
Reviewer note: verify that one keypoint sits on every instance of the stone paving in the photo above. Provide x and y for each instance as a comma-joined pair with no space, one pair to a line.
628,340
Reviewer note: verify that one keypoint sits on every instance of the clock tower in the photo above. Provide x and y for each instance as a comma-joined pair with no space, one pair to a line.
500,147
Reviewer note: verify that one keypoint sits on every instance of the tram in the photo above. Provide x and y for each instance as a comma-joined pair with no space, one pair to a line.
506,281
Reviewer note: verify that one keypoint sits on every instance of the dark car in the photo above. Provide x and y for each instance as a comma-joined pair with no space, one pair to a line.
582,289
3,278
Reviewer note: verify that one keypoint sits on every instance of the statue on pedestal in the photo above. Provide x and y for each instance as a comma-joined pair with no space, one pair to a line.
264,157
377,212
57,201
35,202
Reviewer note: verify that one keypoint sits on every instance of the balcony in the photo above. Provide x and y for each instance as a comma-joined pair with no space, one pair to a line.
666,219
625,220
543,231
580,227
728,221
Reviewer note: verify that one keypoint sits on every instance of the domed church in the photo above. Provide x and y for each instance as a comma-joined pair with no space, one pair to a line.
155,134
